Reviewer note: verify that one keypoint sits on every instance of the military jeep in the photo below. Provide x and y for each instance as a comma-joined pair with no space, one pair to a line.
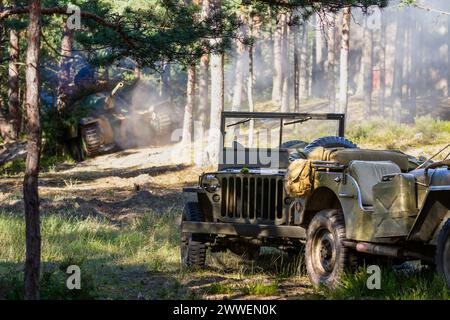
342,204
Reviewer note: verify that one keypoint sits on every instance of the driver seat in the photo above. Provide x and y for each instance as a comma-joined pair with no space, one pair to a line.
368,173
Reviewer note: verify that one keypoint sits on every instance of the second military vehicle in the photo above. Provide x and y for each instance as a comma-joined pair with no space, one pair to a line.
114,123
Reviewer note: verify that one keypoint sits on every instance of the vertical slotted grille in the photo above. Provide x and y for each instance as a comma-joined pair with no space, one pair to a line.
252,198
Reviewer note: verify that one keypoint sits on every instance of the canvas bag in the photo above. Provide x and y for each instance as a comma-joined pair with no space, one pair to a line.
299,177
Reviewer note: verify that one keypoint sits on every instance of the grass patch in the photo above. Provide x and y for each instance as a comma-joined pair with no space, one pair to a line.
422,284
378,132
113,257
220,288
259,288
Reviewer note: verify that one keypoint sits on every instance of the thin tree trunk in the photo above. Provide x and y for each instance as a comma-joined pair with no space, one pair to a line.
398,71
30,183
448,55
317,87
343,73
65,64
304,73
382,92
285,103
238,84
367,69
203,77
296,69
188,112
412,79
277,85
217,97
330,65
165,81
250,83
13,82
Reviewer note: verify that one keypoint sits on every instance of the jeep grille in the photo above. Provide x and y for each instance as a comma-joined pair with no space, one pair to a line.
255,198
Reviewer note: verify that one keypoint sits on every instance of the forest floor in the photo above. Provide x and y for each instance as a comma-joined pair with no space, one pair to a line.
117,216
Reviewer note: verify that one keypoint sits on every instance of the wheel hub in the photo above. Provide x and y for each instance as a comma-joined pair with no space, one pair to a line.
325,254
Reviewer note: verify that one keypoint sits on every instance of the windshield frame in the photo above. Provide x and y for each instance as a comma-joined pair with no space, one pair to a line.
340,117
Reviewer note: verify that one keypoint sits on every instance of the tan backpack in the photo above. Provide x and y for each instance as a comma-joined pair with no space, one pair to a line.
298,181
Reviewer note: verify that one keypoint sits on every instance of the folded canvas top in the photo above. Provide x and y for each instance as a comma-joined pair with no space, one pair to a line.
344,156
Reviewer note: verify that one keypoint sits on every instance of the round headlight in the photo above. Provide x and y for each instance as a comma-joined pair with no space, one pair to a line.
210,183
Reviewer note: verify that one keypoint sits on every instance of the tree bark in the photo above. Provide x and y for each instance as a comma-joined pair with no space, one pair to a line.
238,84
13,82
285,101
203,77
317,87
296,69
65,64
188,113
343,74
412,78
382,92
277,85
30,183
164,90
250,83
304,68
330,64
217,97
398,71
367,69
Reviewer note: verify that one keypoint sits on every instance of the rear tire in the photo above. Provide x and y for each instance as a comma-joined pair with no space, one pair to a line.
193,245
443,253
326,258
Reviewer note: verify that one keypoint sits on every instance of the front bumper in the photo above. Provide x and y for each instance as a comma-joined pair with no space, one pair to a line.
243,229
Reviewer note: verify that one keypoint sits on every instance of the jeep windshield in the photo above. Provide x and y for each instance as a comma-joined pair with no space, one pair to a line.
272,130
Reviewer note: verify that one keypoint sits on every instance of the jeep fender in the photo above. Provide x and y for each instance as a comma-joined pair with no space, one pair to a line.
432,216
335,191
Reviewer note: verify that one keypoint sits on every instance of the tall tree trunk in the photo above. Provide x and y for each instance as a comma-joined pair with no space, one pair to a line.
448,55
13,82
217,97
296,69
343,72
250,82
317,88
412,78
277,84
330,64
30,183
203,78
5,126
398,70
165,81
65,64
188,113
285,103
238,84
367,69
304,68
382,92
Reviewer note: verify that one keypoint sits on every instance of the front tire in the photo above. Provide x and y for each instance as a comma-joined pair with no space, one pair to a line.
326,258
443,253
193,245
